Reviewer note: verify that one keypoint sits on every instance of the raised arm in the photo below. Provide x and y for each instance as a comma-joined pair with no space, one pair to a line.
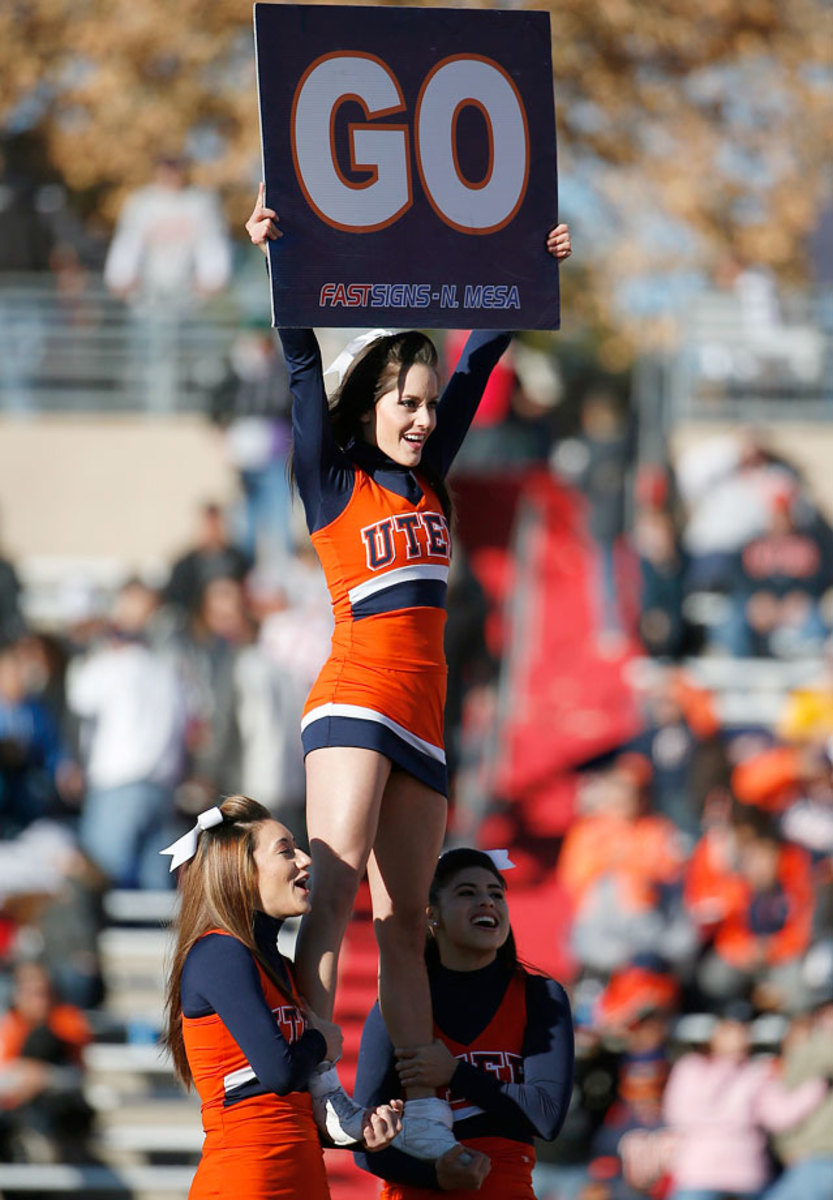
464,390
323,472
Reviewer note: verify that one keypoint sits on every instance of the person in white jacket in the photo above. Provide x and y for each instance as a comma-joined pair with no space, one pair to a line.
133,709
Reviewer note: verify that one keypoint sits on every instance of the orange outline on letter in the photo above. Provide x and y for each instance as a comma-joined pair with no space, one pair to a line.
382,112
445,219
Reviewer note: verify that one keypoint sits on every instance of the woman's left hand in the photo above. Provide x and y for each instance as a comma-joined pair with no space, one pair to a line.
381,1125
425,1066
558,242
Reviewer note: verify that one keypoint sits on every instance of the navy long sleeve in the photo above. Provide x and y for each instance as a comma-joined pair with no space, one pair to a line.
464,1004
325,472
220,976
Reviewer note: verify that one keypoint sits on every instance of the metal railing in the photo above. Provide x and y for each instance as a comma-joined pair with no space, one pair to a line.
78,349
740,364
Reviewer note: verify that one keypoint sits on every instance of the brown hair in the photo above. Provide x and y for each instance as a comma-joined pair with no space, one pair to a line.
378,368
218,890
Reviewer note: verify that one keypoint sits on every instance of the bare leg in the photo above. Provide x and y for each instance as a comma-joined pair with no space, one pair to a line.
409,838
344,795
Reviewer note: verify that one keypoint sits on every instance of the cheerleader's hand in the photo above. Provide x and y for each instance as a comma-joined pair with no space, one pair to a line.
426,1066
558,242
261,226
381,1125
330,1032
463,1169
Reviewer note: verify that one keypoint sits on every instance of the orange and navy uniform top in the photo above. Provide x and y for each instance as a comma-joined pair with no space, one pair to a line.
384,544
512,1035
248,1045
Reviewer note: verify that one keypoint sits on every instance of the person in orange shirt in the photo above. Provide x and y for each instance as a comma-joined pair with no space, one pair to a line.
621,866
236,1027
370,466
759,943
41,1069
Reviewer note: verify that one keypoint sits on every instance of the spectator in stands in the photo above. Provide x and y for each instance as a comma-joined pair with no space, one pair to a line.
44,1116
634,1013
170,252
208,652
681,741
253,406
621,867
765,897
726,484
212,556
597,462
777,582
134,705
662,567
171,243
806,1148
25,236
719,1106
11,617
32,758
807,713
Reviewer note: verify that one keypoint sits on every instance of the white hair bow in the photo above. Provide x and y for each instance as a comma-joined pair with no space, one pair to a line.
500,858
342,361
186,846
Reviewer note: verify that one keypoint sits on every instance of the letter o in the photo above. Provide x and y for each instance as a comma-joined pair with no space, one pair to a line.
383,150
455,82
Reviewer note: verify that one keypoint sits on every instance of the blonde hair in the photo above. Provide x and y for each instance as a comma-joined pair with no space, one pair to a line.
218,890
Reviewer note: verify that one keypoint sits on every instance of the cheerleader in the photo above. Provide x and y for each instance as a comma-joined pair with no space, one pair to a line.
503,1048
236,1027
370,468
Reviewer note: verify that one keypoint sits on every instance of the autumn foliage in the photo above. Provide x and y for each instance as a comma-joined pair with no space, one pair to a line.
704,115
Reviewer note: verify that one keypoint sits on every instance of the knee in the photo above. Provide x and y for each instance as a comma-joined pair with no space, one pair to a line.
334,895
402,933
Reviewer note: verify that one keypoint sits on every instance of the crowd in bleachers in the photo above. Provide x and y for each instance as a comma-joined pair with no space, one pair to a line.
697,865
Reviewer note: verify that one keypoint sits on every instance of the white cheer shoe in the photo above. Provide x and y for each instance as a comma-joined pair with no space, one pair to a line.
335,1113
426,1129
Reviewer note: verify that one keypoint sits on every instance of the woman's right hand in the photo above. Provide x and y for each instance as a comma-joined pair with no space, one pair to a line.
463,1168
261,226
331,1033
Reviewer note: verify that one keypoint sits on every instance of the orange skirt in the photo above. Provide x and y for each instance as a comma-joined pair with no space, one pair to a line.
241,1165
509,1179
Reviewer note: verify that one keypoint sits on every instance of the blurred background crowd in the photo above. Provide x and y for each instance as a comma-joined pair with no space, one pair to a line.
640,632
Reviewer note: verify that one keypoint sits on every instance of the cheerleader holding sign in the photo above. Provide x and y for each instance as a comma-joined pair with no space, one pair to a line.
370,465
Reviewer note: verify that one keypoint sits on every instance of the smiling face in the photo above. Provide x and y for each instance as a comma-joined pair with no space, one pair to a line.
472,920
282,872
404,416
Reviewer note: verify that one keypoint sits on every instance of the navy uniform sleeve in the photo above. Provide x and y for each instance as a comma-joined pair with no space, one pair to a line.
544,1096
462,394
221,976
323,472
377,1083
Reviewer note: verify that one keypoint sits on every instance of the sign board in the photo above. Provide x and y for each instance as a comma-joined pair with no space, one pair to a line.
410,156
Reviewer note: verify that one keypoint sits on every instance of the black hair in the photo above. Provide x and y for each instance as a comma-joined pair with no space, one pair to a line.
448,865
375,370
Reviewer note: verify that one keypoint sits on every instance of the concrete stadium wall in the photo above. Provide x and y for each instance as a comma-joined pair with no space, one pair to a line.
127,488
120,487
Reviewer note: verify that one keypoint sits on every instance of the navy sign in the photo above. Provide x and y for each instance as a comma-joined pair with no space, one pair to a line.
410,155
